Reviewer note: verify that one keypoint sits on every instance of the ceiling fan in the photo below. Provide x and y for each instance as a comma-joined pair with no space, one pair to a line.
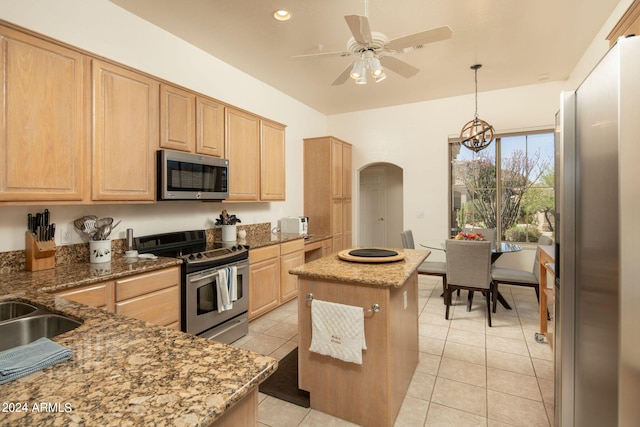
373,50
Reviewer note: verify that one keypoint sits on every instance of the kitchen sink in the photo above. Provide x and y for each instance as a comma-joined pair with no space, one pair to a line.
25,323
13,309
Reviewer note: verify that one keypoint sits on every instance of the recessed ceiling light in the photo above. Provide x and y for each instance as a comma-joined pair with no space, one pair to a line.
282,15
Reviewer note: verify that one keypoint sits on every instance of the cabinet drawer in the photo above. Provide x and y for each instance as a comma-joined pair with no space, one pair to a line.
141,284
160,308
92,295
294,245
261,254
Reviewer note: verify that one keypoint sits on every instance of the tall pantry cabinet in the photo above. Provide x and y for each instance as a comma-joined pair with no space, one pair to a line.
327,189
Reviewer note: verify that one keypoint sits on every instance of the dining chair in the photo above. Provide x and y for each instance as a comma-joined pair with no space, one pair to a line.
469,267
429,268
514,276
489,234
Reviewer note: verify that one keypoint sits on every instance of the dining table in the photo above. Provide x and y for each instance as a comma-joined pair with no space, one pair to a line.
496,252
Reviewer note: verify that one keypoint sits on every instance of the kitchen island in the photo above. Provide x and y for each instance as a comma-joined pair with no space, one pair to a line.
371,393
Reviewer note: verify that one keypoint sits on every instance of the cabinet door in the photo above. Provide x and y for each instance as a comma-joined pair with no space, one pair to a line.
243,152
346,223
289,282
177,119
42,120
336,169
336,222
272,162
209,127
125,135
346,171
264,287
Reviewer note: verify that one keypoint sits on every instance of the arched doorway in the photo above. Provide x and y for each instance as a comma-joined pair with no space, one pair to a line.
380,210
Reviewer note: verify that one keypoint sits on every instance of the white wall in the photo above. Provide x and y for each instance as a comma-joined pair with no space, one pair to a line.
103,28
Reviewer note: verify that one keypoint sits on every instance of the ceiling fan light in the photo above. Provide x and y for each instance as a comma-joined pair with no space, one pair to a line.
376,67
362,80
380,77
358,70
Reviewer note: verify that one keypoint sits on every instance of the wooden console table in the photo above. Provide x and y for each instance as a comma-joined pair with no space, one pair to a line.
546,256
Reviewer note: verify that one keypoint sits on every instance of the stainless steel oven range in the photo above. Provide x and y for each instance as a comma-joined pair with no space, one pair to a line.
209,274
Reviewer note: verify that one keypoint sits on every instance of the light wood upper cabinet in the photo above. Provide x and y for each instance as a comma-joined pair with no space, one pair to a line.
272,161
336,169
125,134
177,118
629,24
42,120
209,127
243,152
346,171
327,189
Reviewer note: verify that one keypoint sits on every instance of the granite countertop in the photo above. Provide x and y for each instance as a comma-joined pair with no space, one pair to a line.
125,371
374,274
78,274
268,239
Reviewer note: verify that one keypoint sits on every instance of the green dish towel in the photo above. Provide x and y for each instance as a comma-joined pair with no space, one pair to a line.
27,359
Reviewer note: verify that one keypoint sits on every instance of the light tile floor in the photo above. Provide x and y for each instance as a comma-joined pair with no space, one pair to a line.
468,374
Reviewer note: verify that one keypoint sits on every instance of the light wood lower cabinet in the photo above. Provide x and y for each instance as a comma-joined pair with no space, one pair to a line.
264,280
291,256
270,283
42,120
153,297
98,295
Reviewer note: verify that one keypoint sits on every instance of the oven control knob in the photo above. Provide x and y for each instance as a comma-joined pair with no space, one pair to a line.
199,255
192,257
234,248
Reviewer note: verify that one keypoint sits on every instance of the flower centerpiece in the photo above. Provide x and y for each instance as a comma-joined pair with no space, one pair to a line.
469,236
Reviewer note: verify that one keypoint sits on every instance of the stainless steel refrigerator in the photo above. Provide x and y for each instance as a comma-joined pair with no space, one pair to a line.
597,309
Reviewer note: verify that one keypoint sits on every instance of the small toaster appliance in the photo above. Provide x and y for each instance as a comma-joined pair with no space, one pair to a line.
294,224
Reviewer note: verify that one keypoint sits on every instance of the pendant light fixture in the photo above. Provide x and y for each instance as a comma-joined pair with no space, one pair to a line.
476,134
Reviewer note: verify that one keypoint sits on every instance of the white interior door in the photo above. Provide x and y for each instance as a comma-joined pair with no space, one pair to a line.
373,207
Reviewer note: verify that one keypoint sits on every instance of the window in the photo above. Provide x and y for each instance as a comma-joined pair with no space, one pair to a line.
507,186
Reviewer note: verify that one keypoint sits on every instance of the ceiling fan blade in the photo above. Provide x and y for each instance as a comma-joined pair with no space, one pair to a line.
417,40
343,76
322,55
400,67
359,26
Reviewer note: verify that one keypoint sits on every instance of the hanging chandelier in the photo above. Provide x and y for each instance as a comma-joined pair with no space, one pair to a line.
476,134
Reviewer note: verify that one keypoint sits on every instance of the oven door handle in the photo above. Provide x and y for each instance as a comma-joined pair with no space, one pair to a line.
208,276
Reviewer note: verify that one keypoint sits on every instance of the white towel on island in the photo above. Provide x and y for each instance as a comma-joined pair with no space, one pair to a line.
227,288
337,330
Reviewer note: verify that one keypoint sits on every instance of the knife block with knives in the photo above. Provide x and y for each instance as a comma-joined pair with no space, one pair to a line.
41,255
40,246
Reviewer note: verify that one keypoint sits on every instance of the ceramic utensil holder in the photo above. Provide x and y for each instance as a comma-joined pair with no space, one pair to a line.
99,251
228,233
40,255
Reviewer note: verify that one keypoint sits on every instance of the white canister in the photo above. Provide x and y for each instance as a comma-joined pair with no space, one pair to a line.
99,251
228,233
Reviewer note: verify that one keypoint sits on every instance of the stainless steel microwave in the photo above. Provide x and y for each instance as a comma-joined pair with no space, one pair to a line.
185,176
